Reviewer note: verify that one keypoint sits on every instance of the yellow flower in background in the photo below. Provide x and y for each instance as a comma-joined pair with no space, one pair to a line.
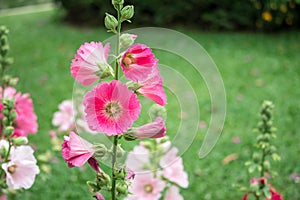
283,8
267,16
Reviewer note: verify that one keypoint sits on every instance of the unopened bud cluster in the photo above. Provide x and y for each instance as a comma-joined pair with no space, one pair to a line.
4,48
9,116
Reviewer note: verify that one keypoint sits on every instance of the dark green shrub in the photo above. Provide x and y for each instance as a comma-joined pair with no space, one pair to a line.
205,14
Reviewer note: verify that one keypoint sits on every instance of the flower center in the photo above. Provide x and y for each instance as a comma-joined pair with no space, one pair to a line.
128,60
113,109
148,188
12,169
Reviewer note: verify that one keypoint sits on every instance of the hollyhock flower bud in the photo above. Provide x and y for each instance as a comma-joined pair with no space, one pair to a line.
102,179
130,174
157,111
19,141
156,129
100,150
98,196
122,188
110,22
127,13
126,40
8,131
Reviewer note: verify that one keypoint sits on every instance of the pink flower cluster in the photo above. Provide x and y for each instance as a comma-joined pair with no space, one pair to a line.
151,179
26,121
261,183
111,107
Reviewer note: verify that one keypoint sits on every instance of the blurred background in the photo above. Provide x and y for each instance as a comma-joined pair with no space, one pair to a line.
254,43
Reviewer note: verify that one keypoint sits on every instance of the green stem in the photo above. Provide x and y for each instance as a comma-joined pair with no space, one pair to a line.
114,153
114,158
262,172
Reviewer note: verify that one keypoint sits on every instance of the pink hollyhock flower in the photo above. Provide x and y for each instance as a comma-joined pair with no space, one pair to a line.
146,187
152,88
130,174
65,117
274,195
21,169
98,196
111,108
245,197
26,121
90,63
137,158
173,168
76,151
173,194
3,197
138,62
156,129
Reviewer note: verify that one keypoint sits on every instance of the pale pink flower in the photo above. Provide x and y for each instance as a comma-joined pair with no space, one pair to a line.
173,169
152,88
64,118
138,62
137,158
111,108
156,129
21,169
173,193
26,121
76,151
146,187
90,62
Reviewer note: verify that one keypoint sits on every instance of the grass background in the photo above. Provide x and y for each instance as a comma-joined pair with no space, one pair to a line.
254,67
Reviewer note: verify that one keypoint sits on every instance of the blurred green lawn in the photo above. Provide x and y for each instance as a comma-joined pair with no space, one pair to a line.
254,67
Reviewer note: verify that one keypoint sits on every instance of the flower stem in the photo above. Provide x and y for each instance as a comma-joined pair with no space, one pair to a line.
114,153
113,188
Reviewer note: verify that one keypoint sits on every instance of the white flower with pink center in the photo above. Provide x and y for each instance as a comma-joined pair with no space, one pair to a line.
146,187
21,169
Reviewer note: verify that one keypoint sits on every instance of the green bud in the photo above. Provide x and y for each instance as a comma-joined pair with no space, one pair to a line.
267,165
105,71
126,40
13,115
101,150
129,136
117,3
148,145
122,188
9,103
120,174
256,157
3,151
19,141
127,13
157,111
93,185
120,151
102,179
110,22
8,131
133,85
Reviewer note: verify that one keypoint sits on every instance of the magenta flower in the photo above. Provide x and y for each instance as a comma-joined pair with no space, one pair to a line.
3,197
21,169
90,62
111,108
173,169
76,151
65,117
138,62
146,187
173,194
156,129
152,88
26,121
98,196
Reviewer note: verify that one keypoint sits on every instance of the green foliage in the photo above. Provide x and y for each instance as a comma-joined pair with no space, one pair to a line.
253,66
207,14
